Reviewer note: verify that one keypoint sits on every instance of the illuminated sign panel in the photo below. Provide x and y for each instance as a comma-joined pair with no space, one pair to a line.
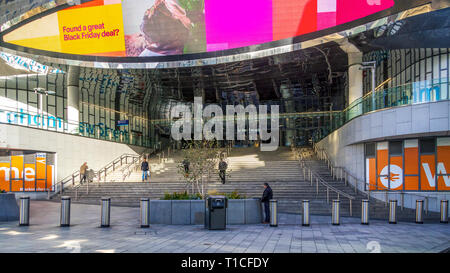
412,170
17,176
132,28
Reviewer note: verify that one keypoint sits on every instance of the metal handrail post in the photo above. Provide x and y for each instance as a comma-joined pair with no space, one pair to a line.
351,209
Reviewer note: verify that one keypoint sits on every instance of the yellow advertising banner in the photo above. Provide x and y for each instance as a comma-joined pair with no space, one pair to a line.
99,33
93,30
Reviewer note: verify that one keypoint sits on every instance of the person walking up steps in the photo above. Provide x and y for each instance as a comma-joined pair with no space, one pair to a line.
222,169
186,164
83,170
144,169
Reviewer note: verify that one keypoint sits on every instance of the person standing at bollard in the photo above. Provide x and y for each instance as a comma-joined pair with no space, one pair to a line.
267,195
222,169
83,169
144,169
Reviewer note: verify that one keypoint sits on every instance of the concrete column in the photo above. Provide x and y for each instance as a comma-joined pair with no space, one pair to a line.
73,98
355,77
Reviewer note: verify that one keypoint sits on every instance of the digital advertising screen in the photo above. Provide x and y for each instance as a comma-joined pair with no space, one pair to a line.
144,28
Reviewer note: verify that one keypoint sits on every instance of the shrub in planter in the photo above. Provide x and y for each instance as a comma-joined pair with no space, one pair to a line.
181,196
232,195
235,195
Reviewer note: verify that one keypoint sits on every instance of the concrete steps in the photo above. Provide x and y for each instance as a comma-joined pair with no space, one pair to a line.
249,169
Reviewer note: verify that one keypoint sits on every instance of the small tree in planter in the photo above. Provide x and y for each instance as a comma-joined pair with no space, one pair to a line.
203,157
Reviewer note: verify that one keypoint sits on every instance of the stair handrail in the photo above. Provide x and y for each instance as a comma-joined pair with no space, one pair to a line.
128,169
344,174
113,165
75,176
338,172
135,163
319,180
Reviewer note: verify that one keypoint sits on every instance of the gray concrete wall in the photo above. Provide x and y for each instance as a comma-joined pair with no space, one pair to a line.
192,212
345,146
71,150
9,210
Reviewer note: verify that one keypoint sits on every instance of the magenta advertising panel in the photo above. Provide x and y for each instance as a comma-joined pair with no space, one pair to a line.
237,23
145,28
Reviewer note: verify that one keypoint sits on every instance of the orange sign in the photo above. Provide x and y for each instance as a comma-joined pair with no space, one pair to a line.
443,167
403,172
17,176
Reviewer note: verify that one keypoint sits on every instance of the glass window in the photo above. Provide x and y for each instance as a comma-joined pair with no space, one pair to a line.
23,98
427,145
32,82
60,107
22,82
2,82
395,147
12,94
11,82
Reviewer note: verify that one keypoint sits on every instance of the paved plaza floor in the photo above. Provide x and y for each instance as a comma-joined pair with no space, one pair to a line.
125,235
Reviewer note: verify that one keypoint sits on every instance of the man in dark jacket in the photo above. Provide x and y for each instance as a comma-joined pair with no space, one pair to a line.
144,168
267,195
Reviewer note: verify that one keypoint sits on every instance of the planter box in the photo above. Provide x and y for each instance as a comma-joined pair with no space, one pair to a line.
236,212
9,210
192,212
161,212
181,212
197,212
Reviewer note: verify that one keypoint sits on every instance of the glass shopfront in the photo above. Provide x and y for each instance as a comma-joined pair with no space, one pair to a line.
103,104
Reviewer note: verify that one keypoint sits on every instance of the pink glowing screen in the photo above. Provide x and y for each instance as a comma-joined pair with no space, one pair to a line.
237,23
148,28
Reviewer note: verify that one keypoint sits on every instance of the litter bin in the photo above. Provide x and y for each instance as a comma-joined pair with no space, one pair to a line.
216,212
